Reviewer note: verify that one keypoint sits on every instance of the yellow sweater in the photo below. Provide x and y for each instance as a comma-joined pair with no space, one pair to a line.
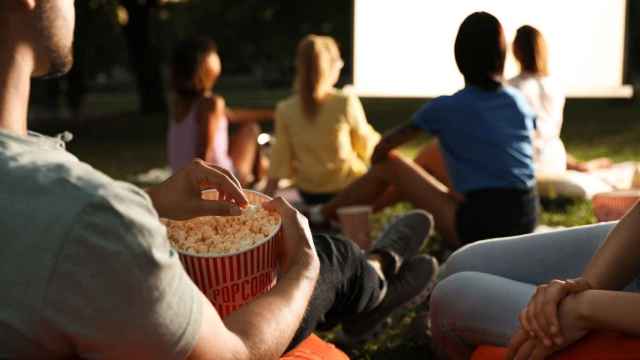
325,154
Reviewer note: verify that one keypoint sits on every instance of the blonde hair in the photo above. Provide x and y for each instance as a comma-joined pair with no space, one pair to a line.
530,49
317,57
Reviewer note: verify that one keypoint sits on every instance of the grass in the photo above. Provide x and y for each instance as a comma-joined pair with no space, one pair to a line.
123,145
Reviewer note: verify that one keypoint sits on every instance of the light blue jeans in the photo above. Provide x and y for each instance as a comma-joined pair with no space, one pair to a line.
485,284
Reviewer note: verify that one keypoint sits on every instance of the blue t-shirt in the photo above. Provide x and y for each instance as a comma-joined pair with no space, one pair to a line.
485,137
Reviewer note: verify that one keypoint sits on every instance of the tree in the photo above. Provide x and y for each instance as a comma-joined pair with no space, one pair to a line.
143,54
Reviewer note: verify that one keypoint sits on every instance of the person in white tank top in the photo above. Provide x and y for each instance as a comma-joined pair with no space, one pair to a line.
199,119
547,99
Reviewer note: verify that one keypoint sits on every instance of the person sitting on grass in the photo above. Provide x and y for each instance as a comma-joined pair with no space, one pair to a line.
539,293
484,131
547,101
323,141
88,271
199,121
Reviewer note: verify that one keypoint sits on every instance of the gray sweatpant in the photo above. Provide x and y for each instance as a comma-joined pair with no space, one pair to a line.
485,284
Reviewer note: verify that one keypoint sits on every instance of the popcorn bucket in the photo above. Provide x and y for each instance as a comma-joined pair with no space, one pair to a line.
231,280
614,205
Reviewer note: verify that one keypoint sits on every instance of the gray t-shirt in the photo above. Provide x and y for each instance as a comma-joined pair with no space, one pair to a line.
85,266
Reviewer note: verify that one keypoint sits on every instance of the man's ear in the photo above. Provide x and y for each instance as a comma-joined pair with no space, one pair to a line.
27,4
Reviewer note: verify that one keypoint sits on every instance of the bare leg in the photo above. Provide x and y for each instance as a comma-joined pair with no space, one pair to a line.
595,164
429,158
413,184
242,150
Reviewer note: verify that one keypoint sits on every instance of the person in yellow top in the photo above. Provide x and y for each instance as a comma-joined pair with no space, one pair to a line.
323,141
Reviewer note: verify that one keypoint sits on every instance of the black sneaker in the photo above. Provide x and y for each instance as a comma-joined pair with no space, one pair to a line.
405,290
402,239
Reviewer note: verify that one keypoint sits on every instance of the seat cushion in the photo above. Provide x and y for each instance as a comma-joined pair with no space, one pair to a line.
314,348
601,345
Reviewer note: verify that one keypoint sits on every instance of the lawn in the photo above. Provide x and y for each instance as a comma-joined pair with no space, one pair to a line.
124,145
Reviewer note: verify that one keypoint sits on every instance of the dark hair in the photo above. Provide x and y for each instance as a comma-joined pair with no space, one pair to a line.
480,50
187,73
530,50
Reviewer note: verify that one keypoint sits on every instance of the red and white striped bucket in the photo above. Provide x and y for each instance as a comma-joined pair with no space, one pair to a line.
231,280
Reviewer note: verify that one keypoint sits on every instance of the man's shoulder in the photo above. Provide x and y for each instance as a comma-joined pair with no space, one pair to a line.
57,181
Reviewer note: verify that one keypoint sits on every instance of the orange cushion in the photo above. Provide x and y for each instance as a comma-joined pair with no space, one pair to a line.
602,345
314,348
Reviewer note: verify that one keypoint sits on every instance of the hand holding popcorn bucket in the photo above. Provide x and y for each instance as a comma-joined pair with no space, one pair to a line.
231,259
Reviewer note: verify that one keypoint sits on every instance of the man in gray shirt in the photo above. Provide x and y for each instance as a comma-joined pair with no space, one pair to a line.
85,266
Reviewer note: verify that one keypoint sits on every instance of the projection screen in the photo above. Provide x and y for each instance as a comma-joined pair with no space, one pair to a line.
404,48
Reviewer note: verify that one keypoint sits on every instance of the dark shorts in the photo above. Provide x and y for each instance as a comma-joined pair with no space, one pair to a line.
316,199
491,213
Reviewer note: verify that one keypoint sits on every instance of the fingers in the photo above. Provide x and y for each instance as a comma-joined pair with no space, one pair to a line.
535,313
281,206
228,174
213,177
517,340
540,317
521,348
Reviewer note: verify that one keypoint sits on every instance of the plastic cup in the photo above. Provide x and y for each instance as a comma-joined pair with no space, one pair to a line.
355,224
232,280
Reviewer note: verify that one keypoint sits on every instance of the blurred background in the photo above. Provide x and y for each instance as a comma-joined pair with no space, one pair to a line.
114,100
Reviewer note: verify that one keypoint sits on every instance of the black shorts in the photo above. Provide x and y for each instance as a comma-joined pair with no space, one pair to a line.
316,198
491,213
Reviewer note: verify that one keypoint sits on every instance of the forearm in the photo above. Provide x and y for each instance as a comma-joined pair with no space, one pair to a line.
272,186
617,262
267,324
400,135
249,115
611,310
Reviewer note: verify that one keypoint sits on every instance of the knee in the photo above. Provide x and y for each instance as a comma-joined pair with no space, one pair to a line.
464,259
448,303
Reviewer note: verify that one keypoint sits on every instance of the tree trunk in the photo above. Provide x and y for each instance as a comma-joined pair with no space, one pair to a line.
144,58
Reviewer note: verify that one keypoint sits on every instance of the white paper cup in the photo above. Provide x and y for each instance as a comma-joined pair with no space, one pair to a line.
355,224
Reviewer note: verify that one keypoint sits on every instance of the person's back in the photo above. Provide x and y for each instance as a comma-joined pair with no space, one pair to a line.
323,139
184,139
547,102
324,157
545,97
68,231
484,137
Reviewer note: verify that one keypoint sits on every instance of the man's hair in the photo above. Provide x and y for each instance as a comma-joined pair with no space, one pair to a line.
530,49
187,70
480,50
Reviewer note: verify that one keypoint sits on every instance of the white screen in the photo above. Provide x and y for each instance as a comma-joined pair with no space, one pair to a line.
404,48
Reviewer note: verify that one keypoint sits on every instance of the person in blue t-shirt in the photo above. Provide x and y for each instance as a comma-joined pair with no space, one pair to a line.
483,132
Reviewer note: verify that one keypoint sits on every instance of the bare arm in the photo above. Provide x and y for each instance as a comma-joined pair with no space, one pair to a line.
210,112
264,328
613,266
617,262
610,310
249,115
394,138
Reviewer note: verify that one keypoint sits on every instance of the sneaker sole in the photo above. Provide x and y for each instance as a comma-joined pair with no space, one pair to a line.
407,305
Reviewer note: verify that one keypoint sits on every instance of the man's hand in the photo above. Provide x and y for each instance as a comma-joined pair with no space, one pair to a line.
571,323
297,249
540,317
180,196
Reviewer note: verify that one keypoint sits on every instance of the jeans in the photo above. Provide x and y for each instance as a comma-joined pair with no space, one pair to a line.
484,285
347,285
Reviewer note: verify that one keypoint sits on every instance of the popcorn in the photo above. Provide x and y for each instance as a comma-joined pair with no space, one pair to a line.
218,235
